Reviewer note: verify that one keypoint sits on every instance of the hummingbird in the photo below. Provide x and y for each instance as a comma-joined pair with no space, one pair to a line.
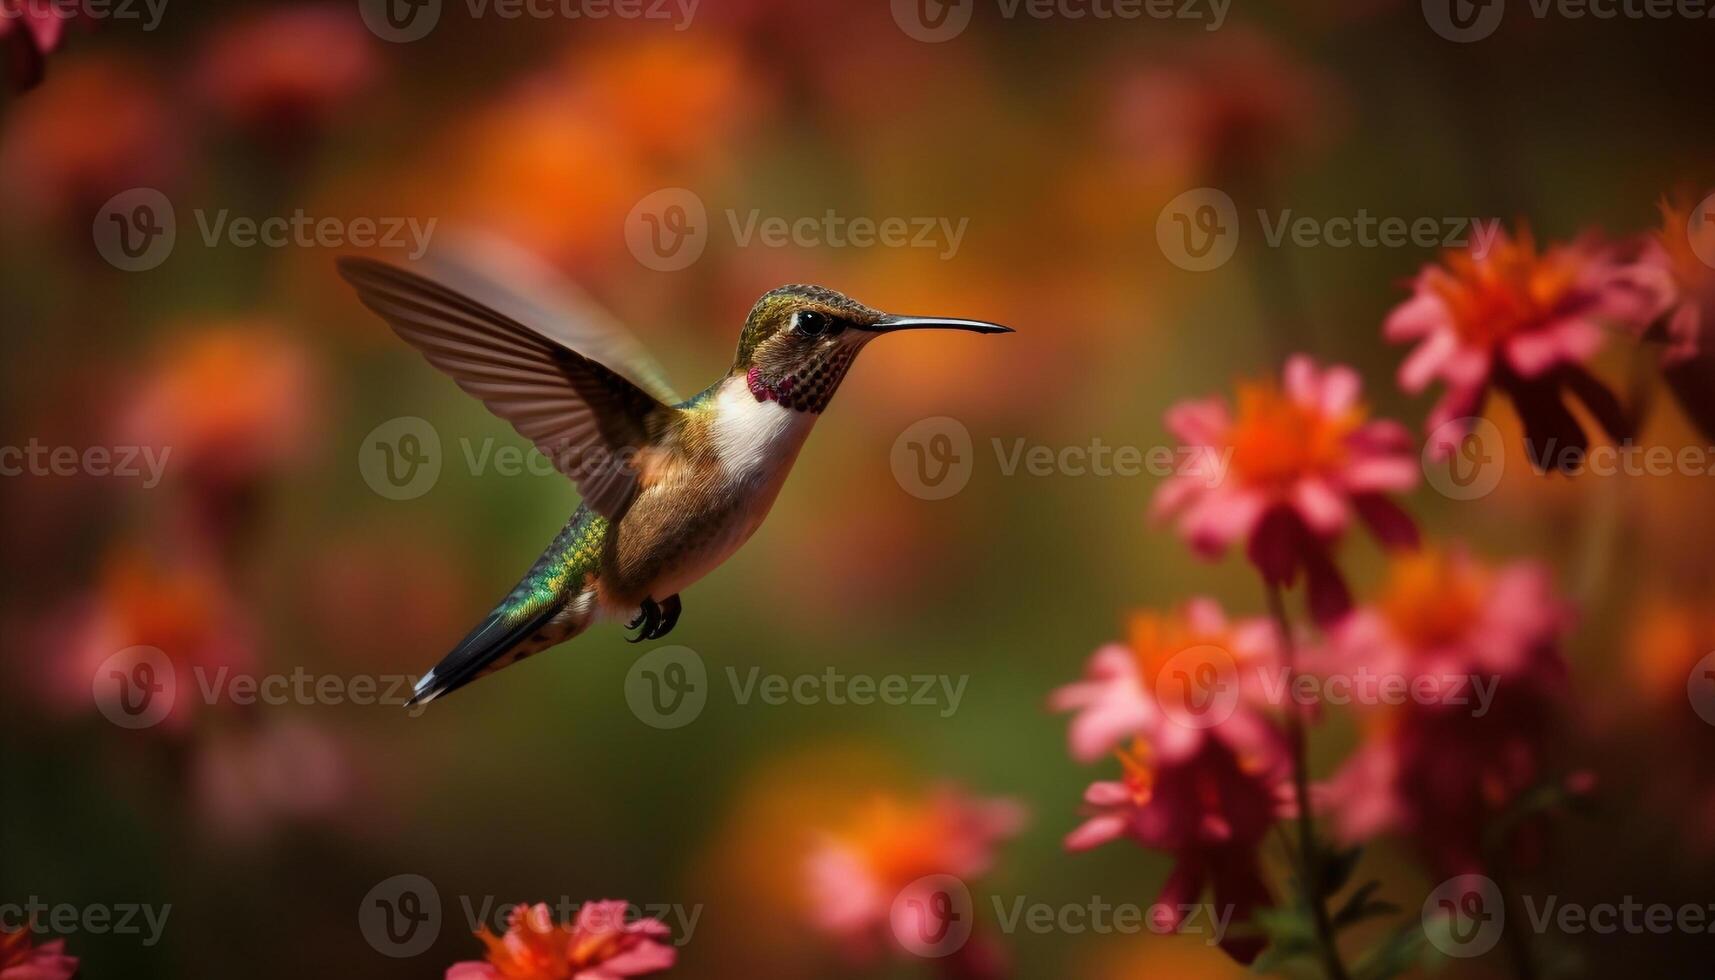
670,487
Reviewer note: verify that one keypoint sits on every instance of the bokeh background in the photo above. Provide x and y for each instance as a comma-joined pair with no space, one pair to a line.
1060,140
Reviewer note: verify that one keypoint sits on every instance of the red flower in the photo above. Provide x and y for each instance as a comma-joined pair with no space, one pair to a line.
603,943
1286,473
1504,315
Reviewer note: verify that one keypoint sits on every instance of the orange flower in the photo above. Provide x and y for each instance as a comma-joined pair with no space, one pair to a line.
601,944
229,401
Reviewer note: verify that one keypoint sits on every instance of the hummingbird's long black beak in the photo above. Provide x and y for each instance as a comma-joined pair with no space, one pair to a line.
890,323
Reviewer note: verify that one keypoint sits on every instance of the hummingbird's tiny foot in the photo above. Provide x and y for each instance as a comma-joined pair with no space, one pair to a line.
669,617
648,617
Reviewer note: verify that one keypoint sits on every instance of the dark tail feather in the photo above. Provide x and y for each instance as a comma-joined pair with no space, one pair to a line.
486,647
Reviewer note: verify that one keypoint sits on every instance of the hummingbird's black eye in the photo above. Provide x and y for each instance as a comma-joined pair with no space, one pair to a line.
814,323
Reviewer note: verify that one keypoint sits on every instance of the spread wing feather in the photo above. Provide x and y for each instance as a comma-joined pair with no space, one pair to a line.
583,415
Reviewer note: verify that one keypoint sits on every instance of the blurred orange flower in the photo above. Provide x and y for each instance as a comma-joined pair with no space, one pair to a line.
230,402
858,872
603,943
178,605
57,164
282,72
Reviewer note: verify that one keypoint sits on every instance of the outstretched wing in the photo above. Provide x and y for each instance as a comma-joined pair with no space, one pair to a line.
585,417
518,284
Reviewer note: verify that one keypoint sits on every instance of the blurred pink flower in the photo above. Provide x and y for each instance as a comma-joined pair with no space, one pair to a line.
855,874
1222,106
283,72
1682,252
603,943
30,30
1442,765
1210,809
1506,316
180,605
249,778
21,961
1286,473
1117,700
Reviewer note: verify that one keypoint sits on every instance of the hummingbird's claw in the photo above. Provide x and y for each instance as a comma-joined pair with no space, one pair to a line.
648,617
669,618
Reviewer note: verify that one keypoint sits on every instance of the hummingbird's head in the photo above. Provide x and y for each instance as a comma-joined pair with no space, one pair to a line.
799,341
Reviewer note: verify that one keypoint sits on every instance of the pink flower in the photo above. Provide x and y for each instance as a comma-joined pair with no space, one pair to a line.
603,943
1682,253
30,30
1210,810
1286,472
1118,698
21,961
1441,766
1505,316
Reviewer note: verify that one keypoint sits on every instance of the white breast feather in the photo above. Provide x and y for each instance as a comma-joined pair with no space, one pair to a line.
753,437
